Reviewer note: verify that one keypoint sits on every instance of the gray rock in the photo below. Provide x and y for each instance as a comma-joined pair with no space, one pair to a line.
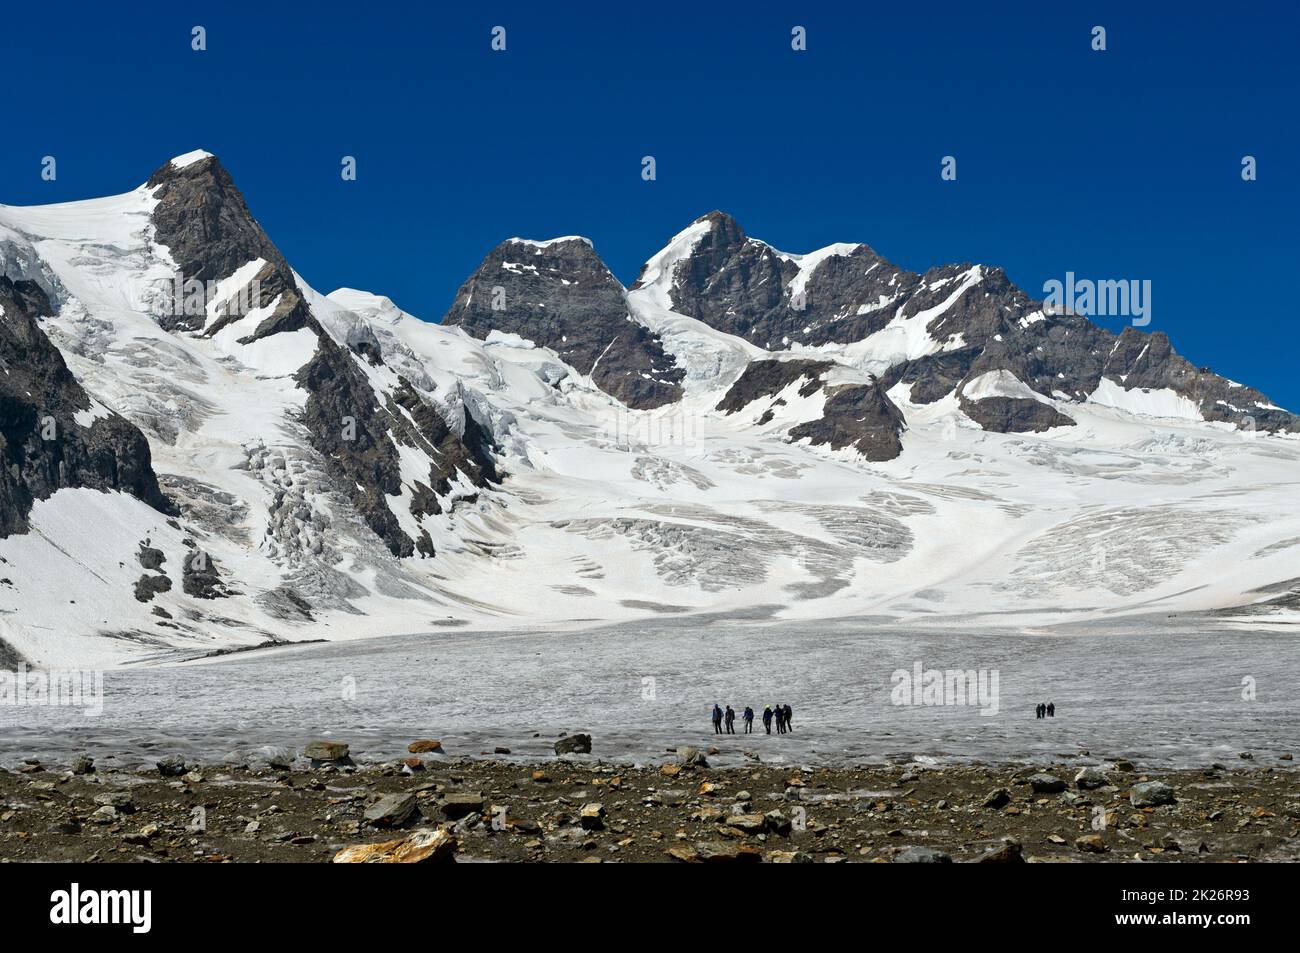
688,755
921,855
391,810
778,823
1091,778
326,751
172,766
1046,783
118,800
573,744
462,804
997,798
1151,794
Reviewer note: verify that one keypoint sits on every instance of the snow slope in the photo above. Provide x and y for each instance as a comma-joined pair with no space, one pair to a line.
606,514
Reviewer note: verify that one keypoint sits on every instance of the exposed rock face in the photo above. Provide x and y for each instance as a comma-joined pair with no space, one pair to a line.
351,433
857,415
840,294
975,319
769,378
357,432
560,295
1014,414
204,222
200,577
43,448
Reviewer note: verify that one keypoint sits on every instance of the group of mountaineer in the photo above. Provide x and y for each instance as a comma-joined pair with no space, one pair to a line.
781,714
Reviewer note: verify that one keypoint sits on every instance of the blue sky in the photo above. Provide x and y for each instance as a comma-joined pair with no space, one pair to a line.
1122,164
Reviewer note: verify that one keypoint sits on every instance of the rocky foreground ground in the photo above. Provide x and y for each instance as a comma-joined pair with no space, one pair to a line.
320,807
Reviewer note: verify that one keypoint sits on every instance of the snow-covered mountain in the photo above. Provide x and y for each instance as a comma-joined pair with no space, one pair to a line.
201,452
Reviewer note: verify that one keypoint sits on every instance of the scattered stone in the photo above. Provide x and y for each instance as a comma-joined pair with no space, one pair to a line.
921,855
456,806
788,857
574,744
1009,853
83,765
997,798
691,757
418,847
716,852
391,810
424,747
592,817
327,751
747,823
1151,794
1046,784
118,800
778,823
1089,779
1091,843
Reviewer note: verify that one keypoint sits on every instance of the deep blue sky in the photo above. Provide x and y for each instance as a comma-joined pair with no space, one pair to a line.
1123,164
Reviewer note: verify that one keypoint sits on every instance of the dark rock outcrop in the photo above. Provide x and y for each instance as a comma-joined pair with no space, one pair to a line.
980,320
858,415
206,226
147,586
1014,414
769,378
350,431
560,295
42,447
350,425
201,578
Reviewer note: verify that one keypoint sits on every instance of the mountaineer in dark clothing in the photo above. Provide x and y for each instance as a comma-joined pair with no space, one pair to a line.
731,721
749,719
717,720
780,718
1040,710
767,718
1051,709
787,714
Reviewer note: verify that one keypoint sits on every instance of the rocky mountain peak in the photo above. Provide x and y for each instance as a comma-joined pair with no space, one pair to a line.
559,294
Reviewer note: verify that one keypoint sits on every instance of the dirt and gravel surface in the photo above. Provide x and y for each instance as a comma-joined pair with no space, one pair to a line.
575,808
